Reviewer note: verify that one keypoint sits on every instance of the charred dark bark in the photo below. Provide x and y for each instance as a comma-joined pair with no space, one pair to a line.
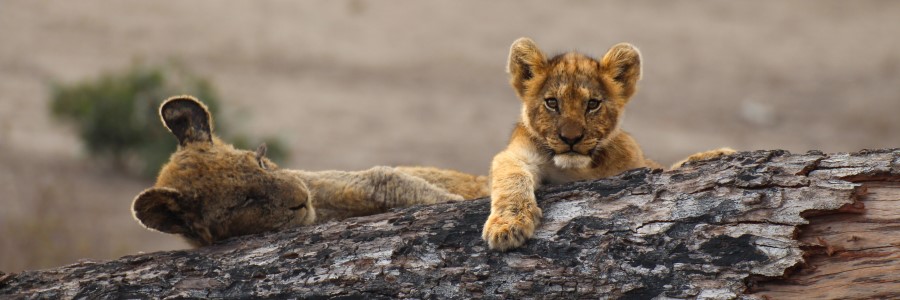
736,227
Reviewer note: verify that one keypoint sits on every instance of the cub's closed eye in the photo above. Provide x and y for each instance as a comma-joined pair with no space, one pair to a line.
248,201
593,104
552,104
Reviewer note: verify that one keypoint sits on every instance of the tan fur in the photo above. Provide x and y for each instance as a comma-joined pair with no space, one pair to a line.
209,191
704,156
571,141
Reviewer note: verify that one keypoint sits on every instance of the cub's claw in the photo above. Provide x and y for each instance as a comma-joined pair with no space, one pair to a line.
505,230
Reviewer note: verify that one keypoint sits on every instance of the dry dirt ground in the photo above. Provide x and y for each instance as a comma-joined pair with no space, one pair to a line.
351,84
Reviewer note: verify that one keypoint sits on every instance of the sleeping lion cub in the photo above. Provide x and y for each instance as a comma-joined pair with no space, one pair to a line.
209,191
569,130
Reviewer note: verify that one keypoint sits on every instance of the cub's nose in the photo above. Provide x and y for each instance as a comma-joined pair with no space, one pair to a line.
571,140
571,132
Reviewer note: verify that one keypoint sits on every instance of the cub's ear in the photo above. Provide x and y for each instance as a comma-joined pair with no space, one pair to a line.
158,209
187,118
622,63
526,62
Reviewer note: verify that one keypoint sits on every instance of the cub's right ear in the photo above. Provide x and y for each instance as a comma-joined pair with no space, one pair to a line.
526,62
158,209
187,118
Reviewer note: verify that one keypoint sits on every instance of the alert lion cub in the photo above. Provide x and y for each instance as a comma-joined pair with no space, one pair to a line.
209,191
568,131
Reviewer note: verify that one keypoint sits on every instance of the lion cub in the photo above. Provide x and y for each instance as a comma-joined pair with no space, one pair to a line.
569,130
209,191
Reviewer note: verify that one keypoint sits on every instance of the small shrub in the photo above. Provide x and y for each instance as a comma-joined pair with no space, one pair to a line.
116,115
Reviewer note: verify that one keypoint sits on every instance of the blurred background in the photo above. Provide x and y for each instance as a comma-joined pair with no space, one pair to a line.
349,84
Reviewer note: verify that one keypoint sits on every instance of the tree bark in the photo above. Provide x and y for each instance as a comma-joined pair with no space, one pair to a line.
756,225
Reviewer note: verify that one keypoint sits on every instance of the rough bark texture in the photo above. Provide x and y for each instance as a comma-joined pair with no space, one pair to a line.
737,227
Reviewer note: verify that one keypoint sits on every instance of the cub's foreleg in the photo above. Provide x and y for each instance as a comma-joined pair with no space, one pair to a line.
393,188
466,185
514,211
338,194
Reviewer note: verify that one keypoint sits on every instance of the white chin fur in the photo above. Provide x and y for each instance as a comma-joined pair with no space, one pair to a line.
571,161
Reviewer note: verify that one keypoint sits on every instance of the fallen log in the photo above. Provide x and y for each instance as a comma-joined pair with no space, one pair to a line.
756,225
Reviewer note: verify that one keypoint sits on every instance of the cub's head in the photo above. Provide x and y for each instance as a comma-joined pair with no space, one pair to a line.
210,191
572,103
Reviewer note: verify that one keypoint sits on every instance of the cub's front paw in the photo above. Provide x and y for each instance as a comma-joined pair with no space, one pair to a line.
455,197
704,156
509,229
712,154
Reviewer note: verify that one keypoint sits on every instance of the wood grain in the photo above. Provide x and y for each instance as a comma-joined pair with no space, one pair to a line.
850,255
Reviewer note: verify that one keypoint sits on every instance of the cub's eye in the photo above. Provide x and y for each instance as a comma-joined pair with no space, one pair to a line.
593,104
552,104
247,202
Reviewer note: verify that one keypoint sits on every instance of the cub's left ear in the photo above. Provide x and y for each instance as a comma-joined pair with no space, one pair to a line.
158,209
623,64
188,119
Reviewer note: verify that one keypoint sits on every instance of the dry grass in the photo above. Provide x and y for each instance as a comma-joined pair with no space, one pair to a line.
351,84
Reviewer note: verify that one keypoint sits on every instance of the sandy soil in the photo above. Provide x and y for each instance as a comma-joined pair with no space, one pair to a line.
351,84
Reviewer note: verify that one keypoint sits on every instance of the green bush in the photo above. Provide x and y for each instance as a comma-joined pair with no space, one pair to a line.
116,115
